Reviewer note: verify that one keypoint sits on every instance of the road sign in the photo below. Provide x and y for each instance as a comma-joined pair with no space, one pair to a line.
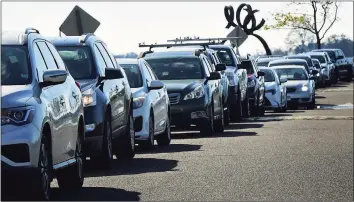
237,32
79,22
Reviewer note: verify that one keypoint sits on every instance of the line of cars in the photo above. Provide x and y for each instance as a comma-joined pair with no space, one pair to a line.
68,98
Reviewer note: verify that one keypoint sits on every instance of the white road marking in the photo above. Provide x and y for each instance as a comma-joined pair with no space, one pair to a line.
336,90
280,118
343,106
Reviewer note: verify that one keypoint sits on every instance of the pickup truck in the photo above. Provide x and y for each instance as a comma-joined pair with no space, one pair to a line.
343,68
237,98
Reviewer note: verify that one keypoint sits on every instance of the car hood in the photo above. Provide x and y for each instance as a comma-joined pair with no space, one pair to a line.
270,85
180,86
86,83
138,92
231,69
15,96
297,83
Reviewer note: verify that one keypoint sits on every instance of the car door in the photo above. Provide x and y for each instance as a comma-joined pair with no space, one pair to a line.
115,92
214,86
63,147
260,82
154,98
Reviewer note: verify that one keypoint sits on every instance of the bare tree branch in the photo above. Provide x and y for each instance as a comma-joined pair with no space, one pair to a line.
314,6
305,28
335,18
325,10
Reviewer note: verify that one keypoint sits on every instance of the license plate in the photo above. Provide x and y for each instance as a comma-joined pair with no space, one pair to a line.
342,70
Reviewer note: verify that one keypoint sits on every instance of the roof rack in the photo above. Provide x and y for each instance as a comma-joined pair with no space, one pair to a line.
215,40
31,30
85,36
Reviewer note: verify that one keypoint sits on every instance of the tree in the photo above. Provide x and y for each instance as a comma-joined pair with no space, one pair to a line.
299,37
318,18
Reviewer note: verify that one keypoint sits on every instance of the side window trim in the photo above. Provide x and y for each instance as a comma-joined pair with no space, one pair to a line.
36,42
52,54
109,55
101,54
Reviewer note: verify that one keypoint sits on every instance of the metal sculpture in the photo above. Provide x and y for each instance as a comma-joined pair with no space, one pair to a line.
250,18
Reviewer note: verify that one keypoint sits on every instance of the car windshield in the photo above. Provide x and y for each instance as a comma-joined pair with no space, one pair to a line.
308,59
304,64
176,68
15,65
321,58
268,75
225,56
292,73
78,61
134,75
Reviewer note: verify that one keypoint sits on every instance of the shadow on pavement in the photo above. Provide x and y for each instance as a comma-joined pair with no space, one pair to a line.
320,97
95,194
278,114
135,166
226,133
172,148
244,125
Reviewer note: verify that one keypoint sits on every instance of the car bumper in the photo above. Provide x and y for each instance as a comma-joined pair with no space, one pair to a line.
189,112
13,173
93,129
345,71
299,98
141,122
20,145
251,92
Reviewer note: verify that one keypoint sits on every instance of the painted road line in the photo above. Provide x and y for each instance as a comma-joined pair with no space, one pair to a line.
336,90
281,118
343,106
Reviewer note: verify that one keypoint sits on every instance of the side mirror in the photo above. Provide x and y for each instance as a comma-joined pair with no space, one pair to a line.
283,79
314,72
340,57
155,85
260,73
53,77
112,73
214,76
220,67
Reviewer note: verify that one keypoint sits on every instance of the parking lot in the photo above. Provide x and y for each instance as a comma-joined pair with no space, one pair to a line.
306,156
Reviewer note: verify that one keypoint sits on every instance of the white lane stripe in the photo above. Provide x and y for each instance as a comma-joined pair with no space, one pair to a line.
279,118
343,106
336,90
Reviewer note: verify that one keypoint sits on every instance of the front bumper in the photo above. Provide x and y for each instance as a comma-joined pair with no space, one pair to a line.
188,112
299,98
9,174
345,71
93,129
20,145
141,122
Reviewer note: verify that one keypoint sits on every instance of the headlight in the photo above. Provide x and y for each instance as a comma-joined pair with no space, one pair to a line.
251,84
89,98
138,102
273,91
304,88
17,116
198,92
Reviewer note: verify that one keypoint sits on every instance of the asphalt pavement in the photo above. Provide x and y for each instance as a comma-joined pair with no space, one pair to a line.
306,156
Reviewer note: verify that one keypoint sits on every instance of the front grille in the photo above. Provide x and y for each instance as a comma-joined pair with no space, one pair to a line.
18,153
290,90
174,98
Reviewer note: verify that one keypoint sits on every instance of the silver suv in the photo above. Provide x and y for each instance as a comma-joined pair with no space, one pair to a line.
42,121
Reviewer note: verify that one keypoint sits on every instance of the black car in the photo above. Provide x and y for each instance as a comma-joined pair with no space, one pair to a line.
195,91
107,97
343,68
255,87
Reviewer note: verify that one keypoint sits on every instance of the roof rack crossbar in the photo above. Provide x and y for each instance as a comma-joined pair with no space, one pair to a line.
86,35
176,45
31,30
217,40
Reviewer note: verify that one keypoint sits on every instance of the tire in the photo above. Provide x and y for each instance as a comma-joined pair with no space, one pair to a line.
254,107
164,139
41,186
285,108
261,109
246,107
313,104
72,177
125,149
278,110
106,157
219,124
236,110
150,142
207,128
227,115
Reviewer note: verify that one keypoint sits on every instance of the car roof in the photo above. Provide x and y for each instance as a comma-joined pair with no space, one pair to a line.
174,53
316,53
268,59
303,55
16,37
288,67
74,40
287,61
127,60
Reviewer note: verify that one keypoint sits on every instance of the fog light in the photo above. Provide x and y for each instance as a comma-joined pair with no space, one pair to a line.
90,127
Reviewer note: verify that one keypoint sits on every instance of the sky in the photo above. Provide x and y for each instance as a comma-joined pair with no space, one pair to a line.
125,24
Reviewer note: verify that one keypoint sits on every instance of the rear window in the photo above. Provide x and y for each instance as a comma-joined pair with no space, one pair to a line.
321,58
225,56
79,61
264,64
133,74
268,75
15,65
308,59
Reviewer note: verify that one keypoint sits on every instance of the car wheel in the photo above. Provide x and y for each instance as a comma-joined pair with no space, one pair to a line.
73,176
125,149
41,187
261,109
254,106
227,115
164,139
150,142
236,112
207,128
246,107
106,157
285,108
219,124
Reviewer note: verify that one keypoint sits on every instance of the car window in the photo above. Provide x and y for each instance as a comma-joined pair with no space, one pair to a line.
206,66
146,73
152,73
268,75
105,56
79,61
57,57
110,55
207,63
176,68
15,66
247,65
292,73
47,55
225,56
133,74
321,58
100,63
